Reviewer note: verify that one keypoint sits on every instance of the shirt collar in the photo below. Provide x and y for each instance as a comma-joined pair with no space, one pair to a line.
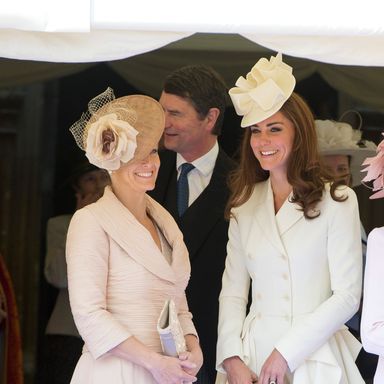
203,164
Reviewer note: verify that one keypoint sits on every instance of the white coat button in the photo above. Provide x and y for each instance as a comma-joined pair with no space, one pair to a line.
285,276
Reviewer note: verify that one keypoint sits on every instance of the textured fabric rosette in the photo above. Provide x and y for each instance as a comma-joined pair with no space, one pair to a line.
375,171
339,138
110,142
334,134
264,90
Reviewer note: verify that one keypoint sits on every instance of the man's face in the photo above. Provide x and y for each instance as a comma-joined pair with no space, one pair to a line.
339,165
185,131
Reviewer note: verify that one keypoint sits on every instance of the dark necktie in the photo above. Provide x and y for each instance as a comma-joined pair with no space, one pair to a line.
182,188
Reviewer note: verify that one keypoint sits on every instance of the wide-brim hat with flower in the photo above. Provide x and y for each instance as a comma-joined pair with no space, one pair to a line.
339,138
264,90
115,131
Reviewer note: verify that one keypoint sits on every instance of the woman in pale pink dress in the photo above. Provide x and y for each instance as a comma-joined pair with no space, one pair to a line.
125,253
372,322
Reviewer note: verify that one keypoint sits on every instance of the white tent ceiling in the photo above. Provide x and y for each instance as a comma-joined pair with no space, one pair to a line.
341,40
339,32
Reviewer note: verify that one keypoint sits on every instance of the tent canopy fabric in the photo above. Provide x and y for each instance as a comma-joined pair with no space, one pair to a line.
144,41
336,32
230,54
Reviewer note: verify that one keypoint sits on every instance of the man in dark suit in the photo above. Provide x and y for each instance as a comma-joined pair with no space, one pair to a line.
194,100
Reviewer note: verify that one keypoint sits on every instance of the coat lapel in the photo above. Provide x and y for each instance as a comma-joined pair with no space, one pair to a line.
287,216
264,213
137,242
274,225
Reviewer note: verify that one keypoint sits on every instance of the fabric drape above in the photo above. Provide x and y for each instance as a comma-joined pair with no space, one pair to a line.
230,54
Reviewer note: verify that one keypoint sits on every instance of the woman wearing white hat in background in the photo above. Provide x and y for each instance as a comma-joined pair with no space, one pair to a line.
372,323
343,150
295,237
125,253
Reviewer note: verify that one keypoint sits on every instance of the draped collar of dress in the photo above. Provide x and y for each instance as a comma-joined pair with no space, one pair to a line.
135,239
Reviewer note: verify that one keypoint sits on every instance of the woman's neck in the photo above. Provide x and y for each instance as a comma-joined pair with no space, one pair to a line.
281,189
133,200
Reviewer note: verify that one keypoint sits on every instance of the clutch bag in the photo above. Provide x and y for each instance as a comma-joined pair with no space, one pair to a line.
170,331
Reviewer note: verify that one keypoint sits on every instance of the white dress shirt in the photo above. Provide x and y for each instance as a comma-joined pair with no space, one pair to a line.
200,176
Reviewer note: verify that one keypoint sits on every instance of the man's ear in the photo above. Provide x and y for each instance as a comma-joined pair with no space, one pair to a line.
211,117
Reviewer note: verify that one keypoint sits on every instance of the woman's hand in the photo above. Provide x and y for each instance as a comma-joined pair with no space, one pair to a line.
171,370
194,354
238,372
274,369
195,357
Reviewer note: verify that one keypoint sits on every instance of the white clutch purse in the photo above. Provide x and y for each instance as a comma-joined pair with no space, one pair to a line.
170,331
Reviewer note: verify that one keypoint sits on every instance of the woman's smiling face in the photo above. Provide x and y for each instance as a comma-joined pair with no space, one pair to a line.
272,141
139,175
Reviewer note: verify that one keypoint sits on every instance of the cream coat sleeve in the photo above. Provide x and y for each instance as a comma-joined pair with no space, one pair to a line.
345,272
87,263
233,299
372,324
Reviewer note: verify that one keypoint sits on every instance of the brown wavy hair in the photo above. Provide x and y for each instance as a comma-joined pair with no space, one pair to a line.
305,172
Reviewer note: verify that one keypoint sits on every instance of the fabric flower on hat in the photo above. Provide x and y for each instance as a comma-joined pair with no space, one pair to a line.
375,171
335,134
110,141
339,138
264,90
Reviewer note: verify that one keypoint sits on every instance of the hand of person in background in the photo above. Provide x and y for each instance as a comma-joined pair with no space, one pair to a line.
238,372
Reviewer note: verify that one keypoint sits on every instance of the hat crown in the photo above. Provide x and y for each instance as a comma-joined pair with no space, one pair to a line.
264,90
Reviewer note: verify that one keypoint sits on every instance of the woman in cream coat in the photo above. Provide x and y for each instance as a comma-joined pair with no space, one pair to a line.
125,254
295,238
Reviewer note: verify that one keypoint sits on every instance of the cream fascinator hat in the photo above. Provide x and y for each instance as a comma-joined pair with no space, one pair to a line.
114,131
339,138
375,171
264,90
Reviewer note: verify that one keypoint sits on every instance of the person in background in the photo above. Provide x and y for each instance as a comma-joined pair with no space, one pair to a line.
343,151
194,99
294,237
125,254
62,344
372,323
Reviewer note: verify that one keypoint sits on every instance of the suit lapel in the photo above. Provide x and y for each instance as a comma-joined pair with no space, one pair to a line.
165,191
207,209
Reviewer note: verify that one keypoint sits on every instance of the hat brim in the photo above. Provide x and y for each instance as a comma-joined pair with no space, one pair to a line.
258,115
357,156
